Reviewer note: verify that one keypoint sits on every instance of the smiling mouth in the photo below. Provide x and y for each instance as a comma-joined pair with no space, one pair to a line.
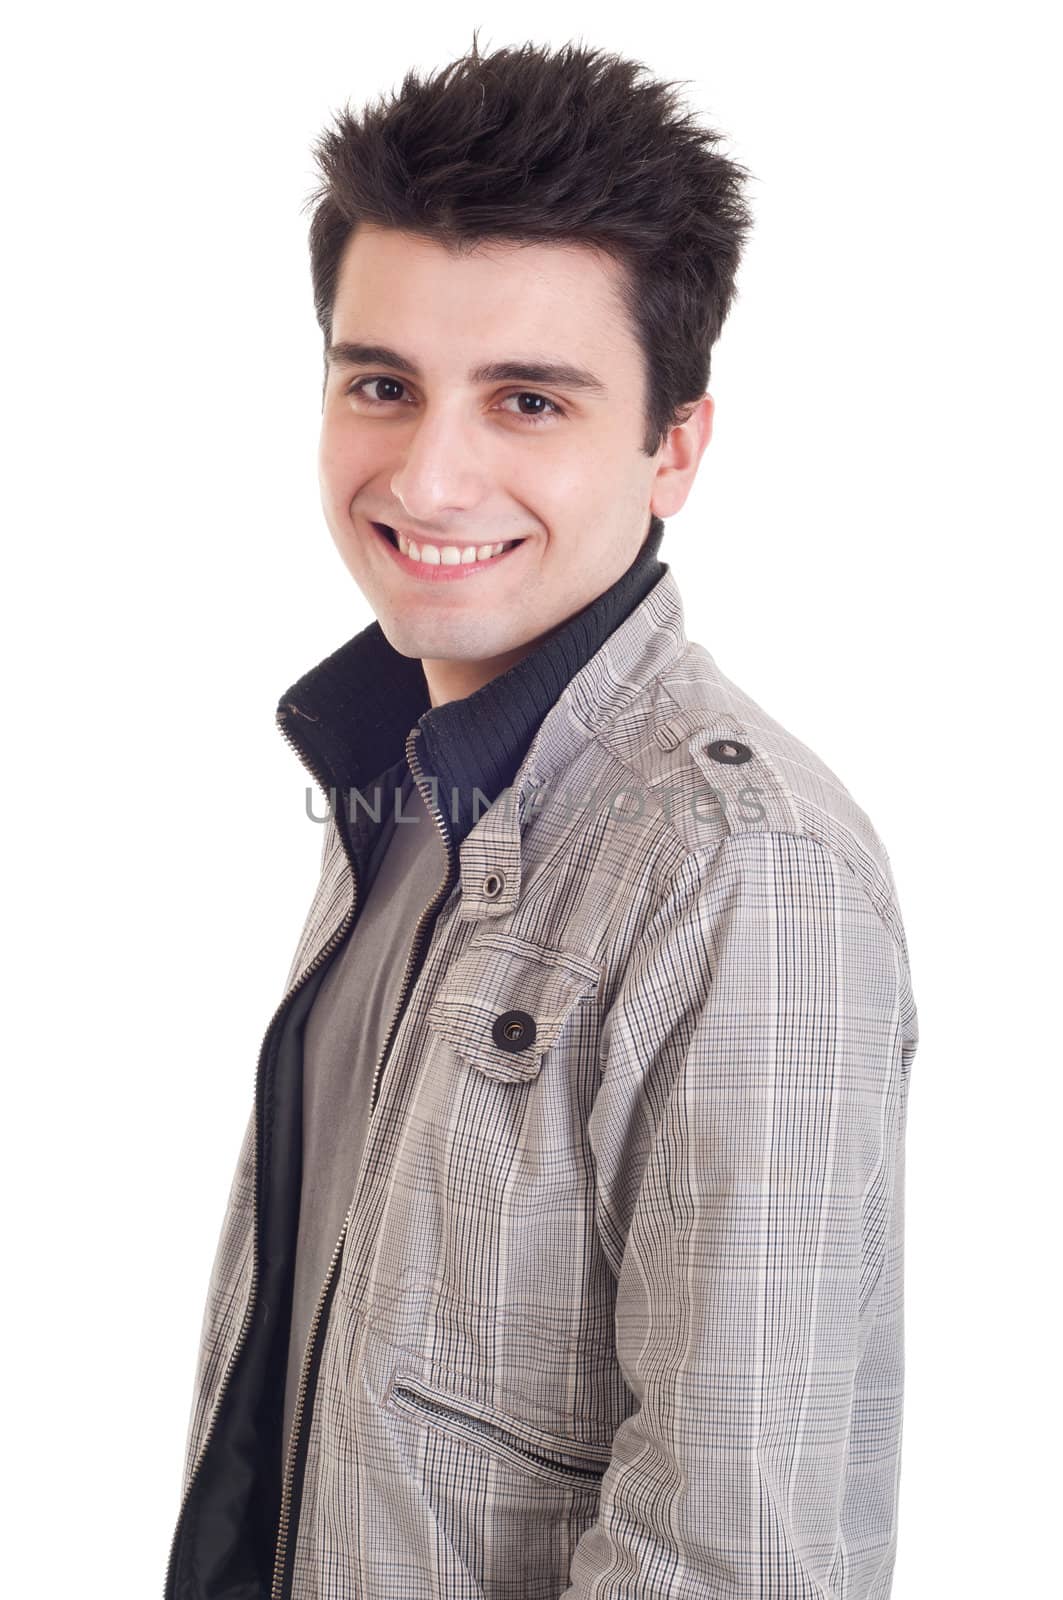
448,555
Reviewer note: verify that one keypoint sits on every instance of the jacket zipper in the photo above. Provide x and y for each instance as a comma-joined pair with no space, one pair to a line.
249,1312
418,1402
280,1578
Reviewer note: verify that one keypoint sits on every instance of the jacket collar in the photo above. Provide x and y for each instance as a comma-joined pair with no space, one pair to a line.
347,723
350,716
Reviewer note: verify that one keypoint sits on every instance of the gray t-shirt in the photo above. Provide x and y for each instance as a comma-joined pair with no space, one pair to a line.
342,1042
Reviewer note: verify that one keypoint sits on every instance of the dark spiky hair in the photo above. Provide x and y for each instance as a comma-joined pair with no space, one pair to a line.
555,147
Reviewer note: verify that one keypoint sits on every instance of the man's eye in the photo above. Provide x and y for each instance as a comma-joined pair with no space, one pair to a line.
537,416
360,384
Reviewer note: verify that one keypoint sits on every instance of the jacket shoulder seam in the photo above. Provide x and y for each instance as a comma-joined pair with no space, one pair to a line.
880,904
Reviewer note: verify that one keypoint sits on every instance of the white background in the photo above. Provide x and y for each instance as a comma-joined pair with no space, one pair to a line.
867,552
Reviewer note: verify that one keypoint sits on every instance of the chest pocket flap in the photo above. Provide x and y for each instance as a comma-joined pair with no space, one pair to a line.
505,1001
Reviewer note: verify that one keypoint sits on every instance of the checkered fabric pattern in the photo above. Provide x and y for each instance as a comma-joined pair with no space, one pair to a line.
619,1314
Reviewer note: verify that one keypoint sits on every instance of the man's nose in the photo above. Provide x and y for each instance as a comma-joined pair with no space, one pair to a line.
440,467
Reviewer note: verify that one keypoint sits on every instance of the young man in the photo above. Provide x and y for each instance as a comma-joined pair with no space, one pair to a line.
564,1251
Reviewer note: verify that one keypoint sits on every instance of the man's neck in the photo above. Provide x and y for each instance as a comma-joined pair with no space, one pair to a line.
456,680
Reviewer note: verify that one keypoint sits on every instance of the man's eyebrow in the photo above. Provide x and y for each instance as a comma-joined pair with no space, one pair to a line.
555,374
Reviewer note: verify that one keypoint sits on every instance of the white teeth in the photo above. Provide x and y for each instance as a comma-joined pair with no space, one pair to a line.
447,555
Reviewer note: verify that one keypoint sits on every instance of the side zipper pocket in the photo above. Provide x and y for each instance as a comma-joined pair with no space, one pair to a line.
560,1465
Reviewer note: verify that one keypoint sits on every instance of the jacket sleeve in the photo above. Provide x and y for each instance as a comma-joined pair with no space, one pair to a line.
748,1141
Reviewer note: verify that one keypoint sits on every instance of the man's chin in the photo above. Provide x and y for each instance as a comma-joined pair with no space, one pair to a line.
463,641
434,643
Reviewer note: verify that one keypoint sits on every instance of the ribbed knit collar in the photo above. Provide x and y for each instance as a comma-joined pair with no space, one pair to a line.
349,717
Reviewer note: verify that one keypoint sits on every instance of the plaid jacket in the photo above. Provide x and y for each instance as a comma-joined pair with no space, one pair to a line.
618,1308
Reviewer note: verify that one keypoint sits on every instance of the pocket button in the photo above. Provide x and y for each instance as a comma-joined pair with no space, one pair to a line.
513,1030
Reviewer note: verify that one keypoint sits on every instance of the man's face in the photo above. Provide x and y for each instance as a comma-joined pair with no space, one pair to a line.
415,439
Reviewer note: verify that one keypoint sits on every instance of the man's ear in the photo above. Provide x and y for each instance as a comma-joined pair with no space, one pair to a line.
680,456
